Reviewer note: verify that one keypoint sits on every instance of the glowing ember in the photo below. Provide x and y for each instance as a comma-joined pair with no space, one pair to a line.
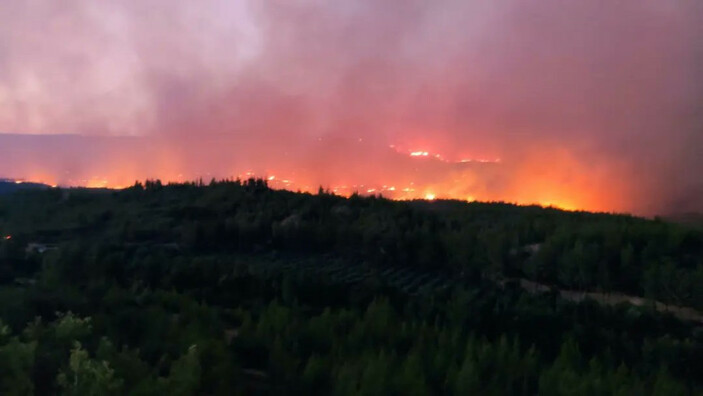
443,158
482,161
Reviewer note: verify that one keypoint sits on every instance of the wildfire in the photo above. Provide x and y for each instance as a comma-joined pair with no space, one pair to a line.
559,179
97,183
532,191
443,158
481,161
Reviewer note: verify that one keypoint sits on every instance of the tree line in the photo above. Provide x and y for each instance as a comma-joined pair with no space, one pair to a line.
231,287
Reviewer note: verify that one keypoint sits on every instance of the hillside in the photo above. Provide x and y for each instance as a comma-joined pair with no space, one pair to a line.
9,186
234,287
689,219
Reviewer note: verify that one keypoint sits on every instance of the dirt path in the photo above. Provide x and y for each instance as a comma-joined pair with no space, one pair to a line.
683,313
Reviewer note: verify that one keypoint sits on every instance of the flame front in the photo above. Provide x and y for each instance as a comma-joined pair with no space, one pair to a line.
549,177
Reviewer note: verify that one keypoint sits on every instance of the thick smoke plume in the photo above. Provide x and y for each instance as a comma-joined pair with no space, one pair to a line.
587,104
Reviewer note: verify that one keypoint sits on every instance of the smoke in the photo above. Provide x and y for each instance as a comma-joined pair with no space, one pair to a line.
595,105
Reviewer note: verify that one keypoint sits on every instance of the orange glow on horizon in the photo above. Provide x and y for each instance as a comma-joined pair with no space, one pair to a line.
548,198
559,179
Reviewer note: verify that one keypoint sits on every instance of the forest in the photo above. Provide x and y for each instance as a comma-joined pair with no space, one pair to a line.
231,287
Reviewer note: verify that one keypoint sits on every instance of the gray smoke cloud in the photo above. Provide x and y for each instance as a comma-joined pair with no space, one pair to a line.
599,103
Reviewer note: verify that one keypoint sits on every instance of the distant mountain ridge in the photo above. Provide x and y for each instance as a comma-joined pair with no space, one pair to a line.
8,186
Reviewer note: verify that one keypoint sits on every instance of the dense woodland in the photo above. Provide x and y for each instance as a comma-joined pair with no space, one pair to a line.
234,288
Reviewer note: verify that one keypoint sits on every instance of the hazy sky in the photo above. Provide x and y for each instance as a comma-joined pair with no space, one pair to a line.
595,104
